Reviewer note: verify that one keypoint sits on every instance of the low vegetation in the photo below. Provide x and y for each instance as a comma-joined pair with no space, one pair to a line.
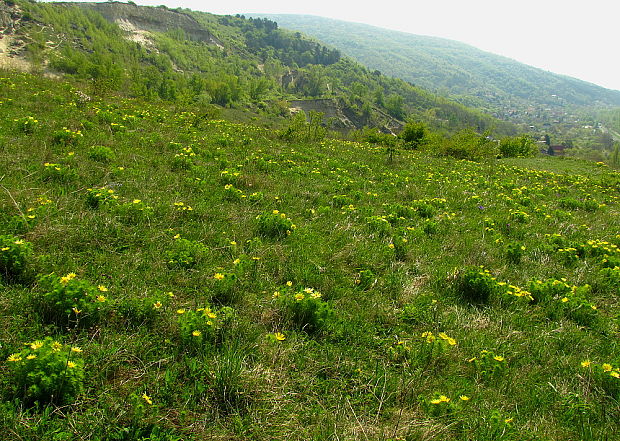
168,279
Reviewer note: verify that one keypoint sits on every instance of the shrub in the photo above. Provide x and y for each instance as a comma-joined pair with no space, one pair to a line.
275,225
66,136
469,145
57,172
101,153
185,253
305,309
379,225
14,255
413,134
28,124
477,285
144,311
69,300
47,371
514,252
365,279
233,194
133,212
96,197
203,326
488,365
518,147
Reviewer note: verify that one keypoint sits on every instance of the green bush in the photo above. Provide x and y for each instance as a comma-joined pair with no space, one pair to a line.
476,285
469,145
66,137
413,134
518,147
185,253
514,252
27,124
101,153
96,197
275,225
14,255
133,212
47,371
203,326
69,300
304,309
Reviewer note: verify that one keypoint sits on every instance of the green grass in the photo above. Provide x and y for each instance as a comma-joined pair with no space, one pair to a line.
367,372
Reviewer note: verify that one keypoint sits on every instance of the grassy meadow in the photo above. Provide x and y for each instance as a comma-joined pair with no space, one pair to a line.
165,276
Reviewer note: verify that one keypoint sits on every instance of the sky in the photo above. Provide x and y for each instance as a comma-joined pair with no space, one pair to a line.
577,39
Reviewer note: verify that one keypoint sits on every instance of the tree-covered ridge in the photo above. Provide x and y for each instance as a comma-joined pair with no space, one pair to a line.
477,78
223,60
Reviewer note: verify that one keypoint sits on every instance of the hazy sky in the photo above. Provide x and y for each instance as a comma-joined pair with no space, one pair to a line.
575,38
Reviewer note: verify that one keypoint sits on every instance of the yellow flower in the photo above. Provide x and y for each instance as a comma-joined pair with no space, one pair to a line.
498,358
65,279
14,358
196,333
157,305
564,299
508,420
606,367
276,294
218,276
299,297
181,311
316,295
56,346
464,398
36,345
211,315
102,288
101,298
136,201
391,246
71,365
279,336
289,283
77,311
441,399
615,374
31,357
76,349
146,398
586,363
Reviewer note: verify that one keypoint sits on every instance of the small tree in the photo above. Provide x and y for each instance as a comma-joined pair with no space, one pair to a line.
413,134
519,146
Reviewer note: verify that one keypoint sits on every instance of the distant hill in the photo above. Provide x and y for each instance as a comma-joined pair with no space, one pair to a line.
504,87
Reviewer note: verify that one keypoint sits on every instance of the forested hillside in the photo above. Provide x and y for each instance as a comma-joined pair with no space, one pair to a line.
191,57
493,83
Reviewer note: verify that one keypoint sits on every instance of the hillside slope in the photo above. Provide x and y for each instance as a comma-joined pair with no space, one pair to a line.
490,82
165,277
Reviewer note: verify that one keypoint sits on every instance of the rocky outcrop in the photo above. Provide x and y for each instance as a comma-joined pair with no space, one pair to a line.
153,19
10,16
